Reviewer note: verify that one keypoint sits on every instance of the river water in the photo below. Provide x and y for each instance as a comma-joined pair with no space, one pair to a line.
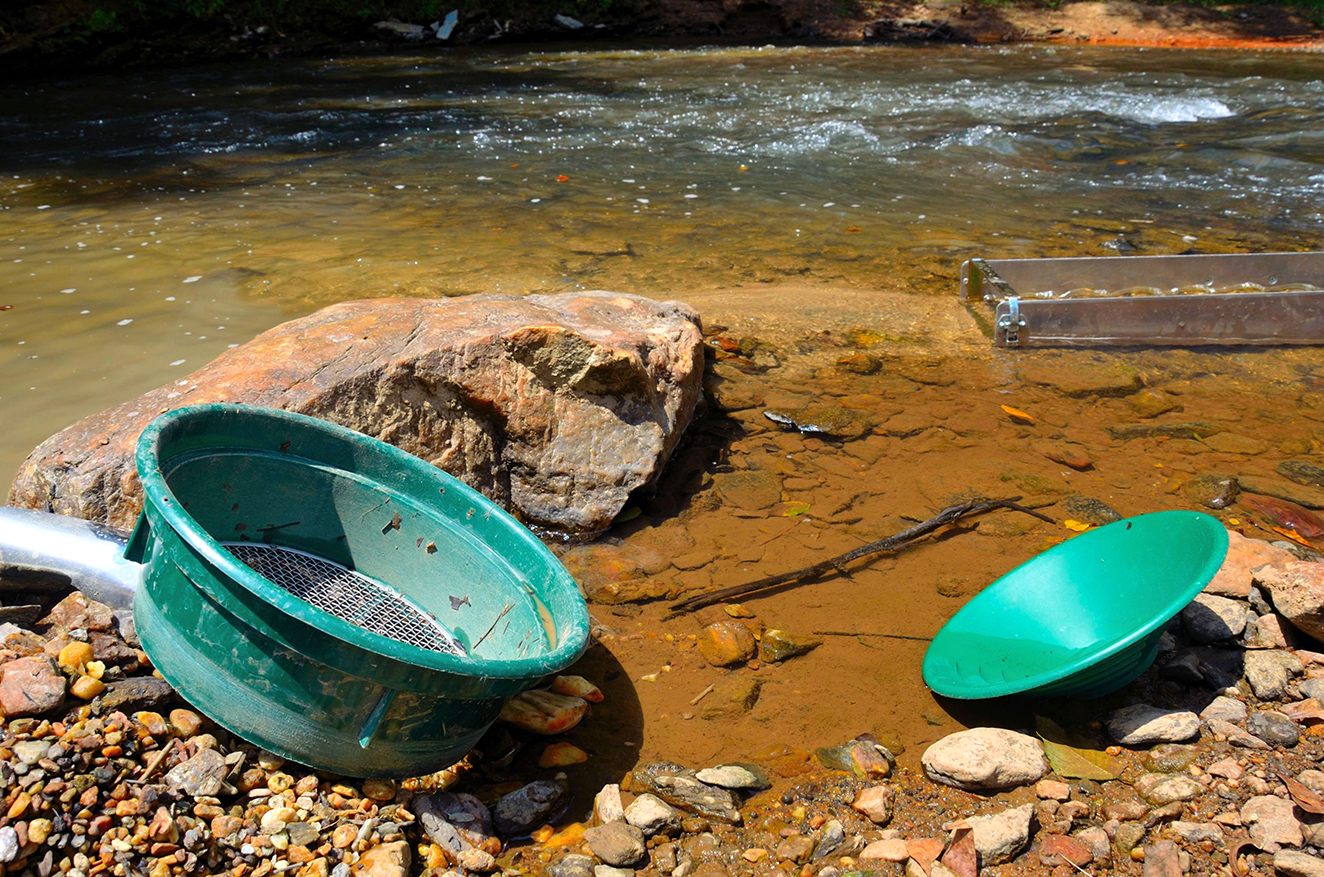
148,221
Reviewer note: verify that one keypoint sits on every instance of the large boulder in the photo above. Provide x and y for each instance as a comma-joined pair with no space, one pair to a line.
557,406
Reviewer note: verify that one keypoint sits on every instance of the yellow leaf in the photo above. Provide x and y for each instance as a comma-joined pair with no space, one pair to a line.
1017,415
1076,526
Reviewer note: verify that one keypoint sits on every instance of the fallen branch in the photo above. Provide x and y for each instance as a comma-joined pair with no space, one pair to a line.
838,563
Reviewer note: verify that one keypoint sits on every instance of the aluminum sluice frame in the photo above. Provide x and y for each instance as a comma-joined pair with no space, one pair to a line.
1020,319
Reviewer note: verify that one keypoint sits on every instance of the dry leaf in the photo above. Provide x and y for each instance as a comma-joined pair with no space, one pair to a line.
1072,757
1309,710
1075,526
1291,534
1017,415
1234,849
925,851
961,856
1307,799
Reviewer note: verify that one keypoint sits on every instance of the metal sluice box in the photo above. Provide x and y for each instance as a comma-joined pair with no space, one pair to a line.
1231,299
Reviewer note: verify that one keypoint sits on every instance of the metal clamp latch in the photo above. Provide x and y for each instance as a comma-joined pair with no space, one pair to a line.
1011,322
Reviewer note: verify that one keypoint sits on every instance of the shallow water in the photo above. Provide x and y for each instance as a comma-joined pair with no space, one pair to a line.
148,221
282,187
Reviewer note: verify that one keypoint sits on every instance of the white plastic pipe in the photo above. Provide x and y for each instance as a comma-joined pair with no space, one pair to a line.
91,555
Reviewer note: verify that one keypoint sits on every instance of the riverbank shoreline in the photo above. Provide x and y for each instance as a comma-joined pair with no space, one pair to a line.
72,36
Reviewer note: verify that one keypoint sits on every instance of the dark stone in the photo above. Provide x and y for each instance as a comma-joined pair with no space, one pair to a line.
525,809
133,694
913,30
1181,666
1089,510
1129,431
1274,728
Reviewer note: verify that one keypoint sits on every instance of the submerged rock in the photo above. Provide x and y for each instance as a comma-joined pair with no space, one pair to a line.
780,645
1302,472
732,697
1090,510
1214,491
724,643
558,406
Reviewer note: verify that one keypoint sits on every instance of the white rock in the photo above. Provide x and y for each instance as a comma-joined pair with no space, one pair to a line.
985,758
607,805
1225,709
1164,788
1001,837
1290,863
1143,724
729,776
651,815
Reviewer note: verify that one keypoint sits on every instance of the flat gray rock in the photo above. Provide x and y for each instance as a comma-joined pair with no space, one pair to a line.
573,865
1195,832
1143,724
985,758
1274,728
732,776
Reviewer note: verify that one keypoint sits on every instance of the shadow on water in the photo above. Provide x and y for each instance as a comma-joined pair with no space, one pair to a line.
299,111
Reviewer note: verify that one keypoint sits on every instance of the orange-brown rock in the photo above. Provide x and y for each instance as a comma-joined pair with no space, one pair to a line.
1244,556
556,406
727,642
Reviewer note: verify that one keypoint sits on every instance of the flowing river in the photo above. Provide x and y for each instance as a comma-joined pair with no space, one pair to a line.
149,221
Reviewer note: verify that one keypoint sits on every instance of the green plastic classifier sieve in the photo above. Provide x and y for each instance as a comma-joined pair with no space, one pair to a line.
334,599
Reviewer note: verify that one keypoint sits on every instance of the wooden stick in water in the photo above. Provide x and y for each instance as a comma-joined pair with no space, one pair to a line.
838,563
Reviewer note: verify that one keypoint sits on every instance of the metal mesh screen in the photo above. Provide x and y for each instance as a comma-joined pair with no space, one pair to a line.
346,594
